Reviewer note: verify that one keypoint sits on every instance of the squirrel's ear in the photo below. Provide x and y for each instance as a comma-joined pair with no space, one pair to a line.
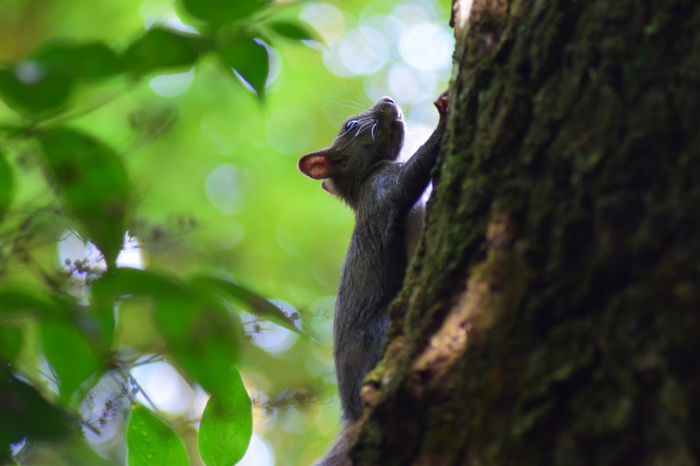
316,165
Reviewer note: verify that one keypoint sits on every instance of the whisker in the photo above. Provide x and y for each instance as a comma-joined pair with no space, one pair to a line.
358,103
359,120
352,106
366,123
362,127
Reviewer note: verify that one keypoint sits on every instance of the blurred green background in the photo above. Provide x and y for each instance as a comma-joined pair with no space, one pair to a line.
214,187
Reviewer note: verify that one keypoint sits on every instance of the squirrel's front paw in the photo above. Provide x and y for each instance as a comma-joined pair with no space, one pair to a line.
441,103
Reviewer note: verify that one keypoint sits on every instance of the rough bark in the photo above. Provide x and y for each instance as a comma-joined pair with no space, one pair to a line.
552,315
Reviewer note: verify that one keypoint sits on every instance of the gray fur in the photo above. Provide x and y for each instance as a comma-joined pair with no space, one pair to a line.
362,170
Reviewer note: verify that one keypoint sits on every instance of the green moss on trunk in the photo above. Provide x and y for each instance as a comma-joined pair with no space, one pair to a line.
581,120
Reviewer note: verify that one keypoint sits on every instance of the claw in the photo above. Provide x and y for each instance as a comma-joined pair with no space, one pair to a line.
441,103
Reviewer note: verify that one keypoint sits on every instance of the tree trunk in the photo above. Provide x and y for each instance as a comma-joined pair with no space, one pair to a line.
552,314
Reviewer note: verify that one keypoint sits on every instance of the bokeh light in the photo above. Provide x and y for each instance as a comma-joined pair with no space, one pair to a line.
328,21
72,249
288,131
103,411
170,85
162,385
259,453
271,337
226,186
406,53
426,46
155,12
29,72
362,51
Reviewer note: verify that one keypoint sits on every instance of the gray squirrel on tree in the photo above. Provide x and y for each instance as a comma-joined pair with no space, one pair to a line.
361,169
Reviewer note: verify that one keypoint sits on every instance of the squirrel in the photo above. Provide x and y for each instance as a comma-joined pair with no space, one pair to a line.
361,169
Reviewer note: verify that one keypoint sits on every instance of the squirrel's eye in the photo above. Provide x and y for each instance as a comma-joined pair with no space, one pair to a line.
351,124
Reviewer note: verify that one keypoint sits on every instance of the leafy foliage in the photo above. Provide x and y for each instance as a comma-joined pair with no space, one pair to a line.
68,351
33,91
126,146
161,48
217,12
256,303
93,184
152,442
57,338
92,61
227,423
249,59
26,413
6,185
292,30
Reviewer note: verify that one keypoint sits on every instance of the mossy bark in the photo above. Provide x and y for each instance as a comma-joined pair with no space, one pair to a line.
552,315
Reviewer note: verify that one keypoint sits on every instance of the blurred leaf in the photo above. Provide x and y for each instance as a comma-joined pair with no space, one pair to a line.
227,424
249,59
70,354
92,61
223,11
13,300
10,128
203,338
93,183
258,305
124,281
293,30
31,89
18,302
152,442
7,184
10,341
67,349
162,48
25,413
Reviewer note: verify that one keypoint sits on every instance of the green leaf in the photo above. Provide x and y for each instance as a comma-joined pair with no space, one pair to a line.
68,350
253,302
7,184
162,48
25,413
124,281
69,353
202,336
220,12
31,89
93,183
249,59
10,341
227,424
15,300
90,62
293,30
152,442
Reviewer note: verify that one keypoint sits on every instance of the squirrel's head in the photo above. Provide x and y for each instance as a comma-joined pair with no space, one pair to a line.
365,139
